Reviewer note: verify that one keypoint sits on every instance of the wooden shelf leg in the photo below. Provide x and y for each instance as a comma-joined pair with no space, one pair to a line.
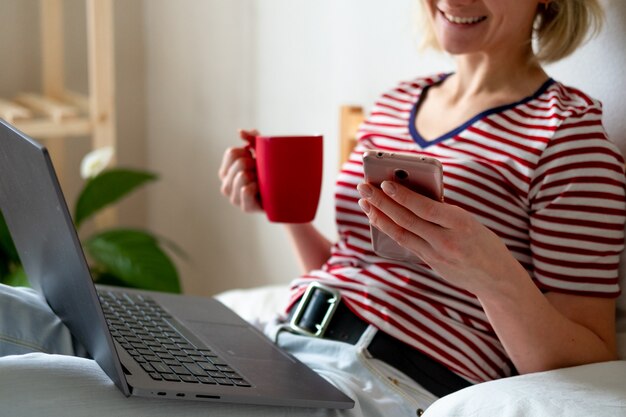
52,71
102,83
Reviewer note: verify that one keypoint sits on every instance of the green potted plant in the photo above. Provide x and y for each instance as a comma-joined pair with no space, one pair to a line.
120,256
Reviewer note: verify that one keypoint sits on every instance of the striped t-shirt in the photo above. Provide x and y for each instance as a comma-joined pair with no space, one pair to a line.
540,173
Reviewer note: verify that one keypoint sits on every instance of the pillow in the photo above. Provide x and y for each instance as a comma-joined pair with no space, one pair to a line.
256,305
596,390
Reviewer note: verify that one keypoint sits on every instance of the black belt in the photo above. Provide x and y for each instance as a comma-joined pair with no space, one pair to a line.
320,313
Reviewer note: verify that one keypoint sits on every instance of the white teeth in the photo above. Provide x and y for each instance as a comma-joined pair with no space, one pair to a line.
463,20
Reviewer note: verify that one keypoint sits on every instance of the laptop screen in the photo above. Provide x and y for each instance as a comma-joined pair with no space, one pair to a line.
36,213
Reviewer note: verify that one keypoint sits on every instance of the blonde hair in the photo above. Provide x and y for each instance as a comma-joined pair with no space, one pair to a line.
564,25
560,27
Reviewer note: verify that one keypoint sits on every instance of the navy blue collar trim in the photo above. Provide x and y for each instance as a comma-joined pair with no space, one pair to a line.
425,143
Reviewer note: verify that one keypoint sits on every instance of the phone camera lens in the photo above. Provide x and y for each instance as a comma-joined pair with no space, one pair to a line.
401,174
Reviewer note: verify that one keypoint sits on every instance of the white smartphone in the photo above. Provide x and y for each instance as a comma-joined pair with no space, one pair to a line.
421,174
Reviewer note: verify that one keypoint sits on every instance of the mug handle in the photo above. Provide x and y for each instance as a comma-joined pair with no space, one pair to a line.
251,139
251,147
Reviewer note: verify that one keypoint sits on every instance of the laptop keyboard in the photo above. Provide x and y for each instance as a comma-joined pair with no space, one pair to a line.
140,326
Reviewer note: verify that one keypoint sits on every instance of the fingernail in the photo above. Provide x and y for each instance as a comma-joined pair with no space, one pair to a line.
365,190
389,187
365,206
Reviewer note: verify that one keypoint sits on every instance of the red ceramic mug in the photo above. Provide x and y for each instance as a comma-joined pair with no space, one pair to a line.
289,170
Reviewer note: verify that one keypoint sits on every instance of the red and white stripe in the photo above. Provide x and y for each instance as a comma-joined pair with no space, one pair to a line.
541,174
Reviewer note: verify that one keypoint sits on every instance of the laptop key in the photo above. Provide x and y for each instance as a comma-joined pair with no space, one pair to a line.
170,377
195,369
161,367
164,355
241,383
159,349
224,381
180,370
206,380
189,378
207,366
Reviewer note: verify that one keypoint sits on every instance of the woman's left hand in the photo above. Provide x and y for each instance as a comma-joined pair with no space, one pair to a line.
446,237
540,332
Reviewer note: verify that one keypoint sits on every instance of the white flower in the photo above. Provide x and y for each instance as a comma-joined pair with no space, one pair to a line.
96,161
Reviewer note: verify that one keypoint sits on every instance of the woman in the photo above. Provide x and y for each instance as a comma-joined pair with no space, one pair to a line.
519,269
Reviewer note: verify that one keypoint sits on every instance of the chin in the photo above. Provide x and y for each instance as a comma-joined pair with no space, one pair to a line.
454,48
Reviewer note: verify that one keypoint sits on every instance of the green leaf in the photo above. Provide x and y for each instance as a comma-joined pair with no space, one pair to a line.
17,278
107,188
4,266
6,243
134,258
106,278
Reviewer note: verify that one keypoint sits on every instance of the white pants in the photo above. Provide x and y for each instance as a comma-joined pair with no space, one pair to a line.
42,373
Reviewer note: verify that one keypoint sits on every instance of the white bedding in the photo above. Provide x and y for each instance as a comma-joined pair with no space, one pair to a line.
597,390
51,385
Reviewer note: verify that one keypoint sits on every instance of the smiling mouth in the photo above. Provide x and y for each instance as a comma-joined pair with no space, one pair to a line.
462,20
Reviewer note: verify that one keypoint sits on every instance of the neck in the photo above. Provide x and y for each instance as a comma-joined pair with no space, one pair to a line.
479,74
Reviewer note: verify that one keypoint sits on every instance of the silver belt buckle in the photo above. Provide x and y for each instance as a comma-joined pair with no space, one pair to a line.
333,303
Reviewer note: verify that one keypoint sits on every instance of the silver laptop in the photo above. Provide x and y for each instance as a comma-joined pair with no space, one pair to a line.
150,344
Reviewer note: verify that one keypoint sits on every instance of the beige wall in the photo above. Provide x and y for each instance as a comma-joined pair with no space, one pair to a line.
197,68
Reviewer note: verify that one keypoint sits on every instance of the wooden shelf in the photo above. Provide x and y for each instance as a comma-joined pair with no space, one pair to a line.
46,118
56,114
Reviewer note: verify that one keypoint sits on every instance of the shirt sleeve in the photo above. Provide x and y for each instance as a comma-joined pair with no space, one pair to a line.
577,209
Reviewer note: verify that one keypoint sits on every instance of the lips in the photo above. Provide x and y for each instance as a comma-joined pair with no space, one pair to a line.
463,20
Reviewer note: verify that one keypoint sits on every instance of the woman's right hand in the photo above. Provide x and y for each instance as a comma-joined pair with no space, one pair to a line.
239,177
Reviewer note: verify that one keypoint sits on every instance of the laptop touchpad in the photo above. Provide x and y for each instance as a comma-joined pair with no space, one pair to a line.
239,341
